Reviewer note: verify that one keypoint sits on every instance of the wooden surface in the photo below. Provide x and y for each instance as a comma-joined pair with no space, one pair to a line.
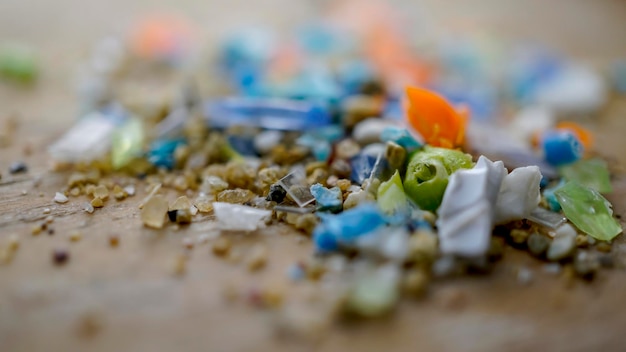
135,302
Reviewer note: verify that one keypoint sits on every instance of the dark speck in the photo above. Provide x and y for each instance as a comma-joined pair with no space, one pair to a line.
18,167
60,256
172,215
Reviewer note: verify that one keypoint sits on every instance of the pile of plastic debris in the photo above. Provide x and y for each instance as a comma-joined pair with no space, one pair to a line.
402,168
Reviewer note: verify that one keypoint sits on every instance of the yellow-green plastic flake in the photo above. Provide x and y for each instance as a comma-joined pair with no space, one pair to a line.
427,174
391,197
593,173
128,142
588,210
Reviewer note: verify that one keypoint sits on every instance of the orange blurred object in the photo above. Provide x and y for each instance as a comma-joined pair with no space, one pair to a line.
439,123
161,37
584,135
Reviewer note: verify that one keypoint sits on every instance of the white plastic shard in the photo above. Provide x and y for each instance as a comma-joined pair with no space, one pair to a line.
519,194
89,139
235,217
466,213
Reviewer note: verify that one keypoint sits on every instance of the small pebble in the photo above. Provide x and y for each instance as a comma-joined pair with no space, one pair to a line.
395,154
221,246
563,244
96,203
50,231
179,266
101,192
586,265
518,236
75,236
415,282
36,230
524,276
257,258
603,247
46,211
13,243
538,244
18,167
552,268
114,240
49,219
581,240
347,148
60,256
60,198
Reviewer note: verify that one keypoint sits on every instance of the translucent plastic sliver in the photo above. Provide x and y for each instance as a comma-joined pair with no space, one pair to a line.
296,210
297,188
547,218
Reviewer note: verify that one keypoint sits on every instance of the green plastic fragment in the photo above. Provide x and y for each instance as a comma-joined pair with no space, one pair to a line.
593,173
427,174
588,210
18,63
373,295
128,142
391,197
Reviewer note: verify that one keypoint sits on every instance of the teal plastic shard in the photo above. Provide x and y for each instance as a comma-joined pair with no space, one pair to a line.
588,210
427,174
593,173
391,197
128,142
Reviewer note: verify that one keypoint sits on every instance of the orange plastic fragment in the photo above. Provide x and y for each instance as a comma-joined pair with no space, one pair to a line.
439,123
584,135
160,36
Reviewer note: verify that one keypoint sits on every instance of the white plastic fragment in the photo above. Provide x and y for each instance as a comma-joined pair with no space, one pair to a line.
60,198
576,89
130,190
237,217
466,213
88,207
519,194
529,121
265,141
89,139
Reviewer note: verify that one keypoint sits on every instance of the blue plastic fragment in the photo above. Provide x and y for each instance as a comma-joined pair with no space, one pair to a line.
327,199
276,114
161,152
243,144
401,136
320,148
296,272
362,166
346,227
354,75
561,147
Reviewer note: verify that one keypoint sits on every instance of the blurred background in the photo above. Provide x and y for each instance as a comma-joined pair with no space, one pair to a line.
62,35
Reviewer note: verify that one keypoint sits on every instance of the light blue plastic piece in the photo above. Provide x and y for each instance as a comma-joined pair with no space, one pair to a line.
346,227
548,194
327,199
276,114
400,136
